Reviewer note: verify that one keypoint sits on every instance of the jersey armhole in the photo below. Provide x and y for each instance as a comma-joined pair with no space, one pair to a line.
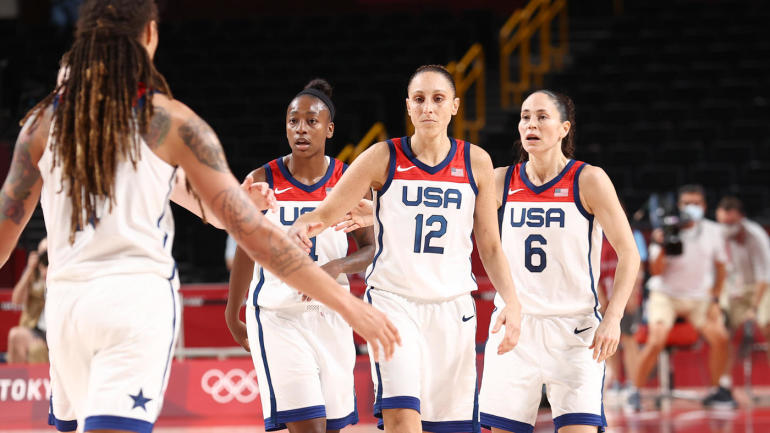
506,185
576,193
268,179
391,167
468,167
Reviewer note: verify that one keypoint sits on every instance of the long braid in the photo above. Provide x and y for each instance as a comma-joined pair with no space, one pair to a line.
97,121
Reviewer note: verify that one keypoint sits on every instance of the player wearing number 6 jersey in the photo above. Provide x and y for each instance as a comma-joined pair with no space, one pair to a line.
552,210
431,193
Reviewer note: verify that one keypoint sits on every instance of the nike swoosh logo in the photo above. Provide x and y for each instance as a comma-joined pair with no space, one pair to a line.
399,168
465,319
578,331
514,191
281,191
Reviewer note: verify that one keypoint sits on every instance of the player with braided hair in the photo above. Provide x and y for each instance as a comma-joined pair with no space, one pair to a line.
102,153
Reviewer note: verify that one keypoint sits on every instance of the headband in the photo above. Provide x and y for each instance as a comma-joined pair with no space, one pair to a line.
322,96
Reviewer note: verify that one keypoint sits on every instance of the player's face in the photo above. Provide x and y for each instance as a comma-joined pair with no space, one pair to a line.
308,125
431,102
541,127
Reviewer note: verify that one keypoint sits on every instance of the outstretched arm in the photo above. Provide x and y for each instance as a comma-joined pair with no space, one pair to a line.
369,170
485,230
259,193
359,260
196,148
21,189
599,198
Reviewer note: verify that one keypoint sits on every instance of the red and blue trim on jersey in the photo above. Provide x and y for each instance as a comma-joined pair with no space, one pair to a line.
456,166
287,188
562,188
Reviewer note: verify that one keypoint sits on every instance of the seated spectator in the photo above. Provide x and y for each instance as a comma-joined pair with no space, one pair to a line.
688,285
26,342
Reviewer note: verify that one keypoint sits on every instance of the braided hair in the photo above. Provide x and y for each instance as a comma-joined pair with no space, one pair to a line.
97,122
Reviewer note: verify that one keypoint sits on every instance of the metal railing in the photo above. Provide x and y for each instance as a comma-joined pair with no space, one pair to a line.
376,133
517,34
468,71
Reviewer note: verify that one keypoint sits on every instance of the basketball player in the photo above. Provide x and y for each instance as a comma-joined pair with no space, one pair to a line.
431,193
304,353
100,152
552,210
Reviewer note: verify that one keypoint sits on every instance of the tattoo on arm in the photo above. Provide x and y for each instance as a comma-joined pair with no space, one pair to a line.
21,178
11,209
159,126
201,139
241,219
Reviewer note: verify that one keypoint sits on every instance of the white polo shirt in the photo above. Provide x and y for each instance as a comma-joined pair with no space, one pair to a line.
691,274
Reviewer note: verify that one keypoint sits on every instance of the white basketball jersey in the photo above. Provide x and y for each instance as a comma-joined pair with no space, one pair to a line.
423,225
295,198
552,243
133,236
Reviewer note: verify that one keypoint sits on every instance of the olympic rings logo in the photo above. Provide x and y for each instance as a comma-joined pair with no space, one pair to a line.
235,384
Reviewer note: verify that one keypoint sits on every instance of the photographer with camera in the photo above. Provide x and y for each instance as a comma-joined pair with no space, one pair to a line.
687,267
26,342
745,297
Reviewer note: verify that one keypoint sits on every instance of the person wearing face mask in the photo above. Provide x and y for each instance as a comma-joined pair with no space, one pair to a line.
688,285
745,296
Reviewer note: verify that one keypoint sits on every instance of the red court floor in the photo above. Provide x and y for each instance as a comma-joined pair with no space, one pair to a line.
682,418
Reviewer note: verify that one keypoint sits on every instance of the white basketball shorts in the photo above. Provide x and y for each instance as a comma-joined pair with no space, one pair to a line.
551,351
111,342
304,359
434,369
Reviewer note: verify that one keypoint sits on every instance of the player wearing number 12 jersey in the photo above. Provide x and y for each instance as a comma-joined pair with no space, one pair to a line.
552,210
431,193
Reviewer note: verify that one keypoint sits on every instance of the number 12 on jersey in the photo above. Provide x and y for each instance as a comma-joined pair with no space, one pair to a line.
426,247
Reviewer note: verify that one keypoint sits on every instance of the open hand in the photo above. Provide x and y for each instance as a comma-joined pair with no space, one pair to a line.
260,194
360,216
300,233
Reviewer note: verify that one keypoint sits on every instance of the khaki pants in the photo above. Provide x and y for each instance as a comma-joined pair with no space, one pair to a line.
663,308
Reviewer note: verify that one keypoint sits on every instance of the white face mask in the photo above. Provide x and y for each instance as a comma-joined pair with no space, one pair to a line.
694,211
732,229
